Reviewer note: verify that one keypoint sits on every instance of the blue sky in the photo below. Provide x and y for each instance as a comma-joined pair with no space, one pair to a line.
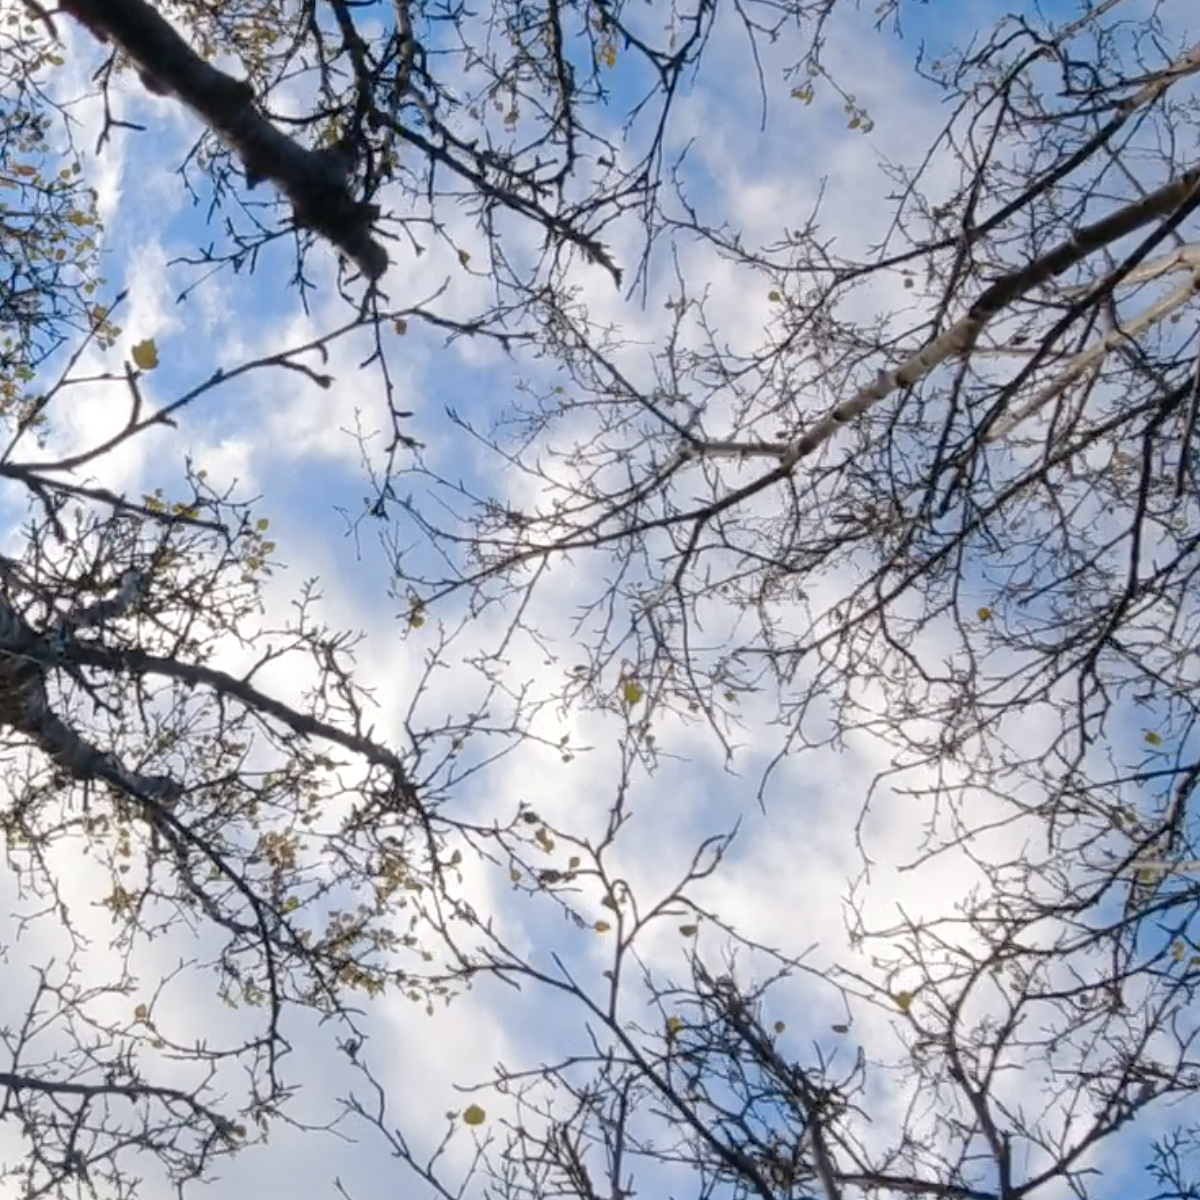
289,442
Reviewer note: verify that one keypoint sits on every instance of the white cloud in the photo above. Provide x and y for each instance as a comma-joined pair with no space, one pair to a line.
785,879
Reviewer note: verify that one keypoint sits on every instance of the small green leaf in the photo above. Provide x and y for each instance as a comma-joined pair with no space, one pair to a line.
474,1115
145,355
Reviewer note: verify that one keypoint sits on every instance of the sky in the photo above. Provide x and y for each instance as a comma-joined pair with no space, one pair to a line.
279,438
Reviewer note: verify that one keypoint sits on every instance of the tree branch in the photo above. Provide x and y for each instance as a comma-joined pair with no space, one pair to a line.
314,181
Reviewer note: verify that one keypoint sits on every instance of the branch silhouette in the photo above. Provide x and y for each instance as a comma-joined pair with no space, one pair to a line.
316,182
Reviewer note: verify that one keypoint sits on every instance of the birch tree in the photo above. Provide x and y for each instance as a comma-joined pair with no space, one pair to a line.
1003,465
967,526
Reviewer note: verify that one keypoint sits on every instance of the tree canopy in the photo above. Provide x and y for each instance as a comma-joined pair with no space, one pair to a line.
655,544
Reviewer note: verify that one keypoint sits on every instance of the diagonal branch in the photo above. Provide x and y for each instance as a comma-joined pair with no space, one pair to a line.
314,181
1179,195
139,662
25,707
1083,362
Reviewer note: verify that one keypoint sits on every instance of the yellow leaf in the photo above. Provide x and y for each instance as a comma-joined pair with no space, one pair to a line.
474,1115
602,927
464,257
632,691
674,1025
139,1013
984,614
779,1026
774,296
515,875
400,325
903,1001
145,355
1153,739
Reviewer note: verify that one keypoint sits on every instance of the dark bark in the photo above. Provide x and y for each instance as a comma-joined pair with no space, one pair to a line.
315,182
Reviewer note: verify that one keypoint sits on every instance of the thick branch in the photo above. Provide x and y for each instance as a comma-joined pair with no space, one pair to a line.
1179,194
25,707
315,181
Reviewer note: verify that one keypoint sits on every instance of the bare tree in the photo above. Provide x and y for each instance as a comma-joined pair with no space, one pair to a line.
1037,1039
1003,466
197,772
967,526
